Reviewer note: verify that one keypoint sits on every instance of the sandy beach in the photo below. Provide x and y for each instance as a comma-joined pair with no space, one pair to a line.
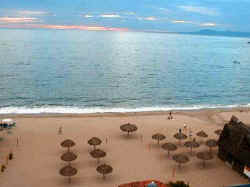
37,156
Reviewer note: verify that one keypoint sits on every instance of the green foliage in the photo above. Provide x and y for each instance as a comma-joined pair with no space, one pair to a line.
178,184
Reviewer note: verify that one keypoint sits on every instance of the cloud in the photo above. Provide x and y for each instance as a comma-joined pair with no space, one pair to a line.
129,13
151,18
64,27
164,10
200,10
181,21
28,12
17,20
110,16
88,16
208,24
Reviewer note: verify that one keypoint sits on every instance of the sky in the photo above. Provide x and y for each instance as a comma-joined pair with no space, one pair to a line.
144,15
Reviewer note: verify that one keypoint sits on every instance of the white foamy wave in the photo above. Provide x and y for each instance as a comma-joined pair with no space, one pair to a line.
79,110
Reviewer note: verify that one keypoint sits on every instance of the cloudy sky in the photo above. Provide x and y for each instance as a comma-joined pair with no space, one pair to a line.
161,15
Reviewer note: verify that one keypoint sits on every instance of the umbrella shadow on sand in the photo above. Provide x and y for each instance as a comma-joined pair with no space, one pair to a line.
93,164
79,164
163,157
178,171
155,146
109,179
133,136
200,166
75,181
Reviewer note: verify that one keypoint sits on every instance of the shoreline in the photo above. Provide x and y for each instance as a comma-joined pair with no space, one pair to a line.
187,112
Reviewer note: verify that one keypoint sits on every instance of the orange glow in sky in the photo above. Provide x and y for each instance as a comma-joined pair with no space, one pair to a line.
63,27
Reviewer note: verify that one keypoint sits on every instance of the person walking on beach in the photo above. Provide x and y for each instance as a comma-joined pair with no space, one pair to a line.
60,130
17,141
3,167
185,128
170,115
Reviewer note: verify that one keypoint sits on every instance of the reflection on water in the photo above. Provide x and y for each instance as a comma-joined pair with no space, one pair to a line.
121,69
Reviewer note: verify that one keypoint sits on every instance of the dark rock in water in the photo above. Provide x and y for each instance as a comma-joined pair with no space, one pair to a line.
248,42
236,62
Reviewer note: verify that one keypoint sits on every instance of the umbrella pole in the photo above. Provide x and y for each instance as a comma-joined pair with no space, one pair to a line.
158,141
168,153
203,163
69,180
103,176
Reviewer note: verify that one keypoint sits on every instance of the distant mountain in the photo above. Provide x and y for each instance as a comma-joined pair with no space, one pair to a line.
209,32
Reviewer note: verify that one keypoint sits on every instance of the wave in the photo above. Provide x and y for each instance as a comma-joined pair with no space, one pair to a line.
93,110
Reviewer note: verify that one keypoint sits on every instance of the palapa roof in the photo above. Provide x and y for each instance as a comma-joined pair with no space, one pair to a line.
98,153
211,143
104,169
180,158
128,127
235,139
169,146
68,156
68,171
204,155
158,136
202,134
180,136
68,143
94,141
192,144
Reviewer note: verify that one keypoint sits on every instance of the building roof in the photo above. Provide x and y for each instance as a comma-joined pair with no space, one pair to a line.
143,184
235,139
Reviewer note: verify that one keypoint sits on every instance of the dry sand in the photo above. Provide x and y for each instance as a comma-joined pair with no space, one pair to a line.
37,160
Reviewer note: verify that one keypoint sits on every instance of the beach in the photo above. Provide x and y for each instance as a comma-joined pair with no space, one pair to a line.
134,158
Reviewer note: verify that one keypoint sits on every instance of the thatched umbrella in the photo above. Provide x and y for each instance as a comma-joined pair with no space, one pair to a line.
211,143
180,136
202,134
128,128
204,155
180,159
68,171
218,132
158,137
67,143
192,144
68,157
104,169
169,147
98,153
94,141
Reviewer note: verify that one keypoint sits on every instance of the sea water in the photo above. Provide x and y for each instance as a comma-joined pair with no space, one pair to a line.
74,71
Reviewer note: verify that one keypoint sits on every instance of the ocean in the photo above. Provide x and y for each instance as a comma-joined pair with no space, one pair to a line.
75,71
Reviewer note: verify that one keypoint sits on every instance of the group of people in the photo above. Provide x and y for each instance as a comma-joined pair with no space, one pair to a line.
170,116
9,157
